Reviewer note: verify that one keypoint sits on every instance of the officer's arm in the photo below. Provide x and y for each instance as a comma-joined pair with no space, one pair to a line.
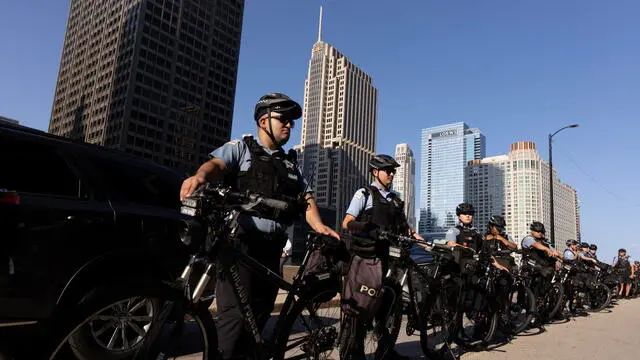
549,251
212,171
350,223
313,218
506,242
357,205
587,258
451,237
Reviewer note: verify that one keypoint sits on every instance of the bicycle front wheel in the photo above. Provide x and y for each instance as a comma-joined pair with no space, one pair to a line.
374,337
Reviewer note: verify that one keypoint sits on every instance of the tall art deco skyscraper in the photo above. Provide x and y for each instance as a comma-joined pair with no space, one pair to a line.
338,127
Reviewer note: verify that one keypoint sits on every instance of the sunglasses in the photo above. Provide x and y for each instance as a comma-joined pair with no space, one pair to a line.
390,170
284,121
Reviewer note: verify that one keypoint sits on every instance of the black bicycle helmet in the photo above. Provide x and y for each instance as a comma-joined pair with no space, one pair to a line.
622,250
497,221
280,103
571,242
584,245
382,161
465,208
593,247
537,226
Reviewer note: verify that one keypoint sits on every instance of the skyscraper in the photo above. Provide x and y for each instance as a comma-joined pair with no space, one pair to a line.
485,187
445,152
404,180
338,126
155,78
516,186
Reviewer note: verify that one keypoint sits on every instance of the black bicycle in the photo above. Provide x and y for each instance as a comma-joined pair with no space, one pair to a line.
181,313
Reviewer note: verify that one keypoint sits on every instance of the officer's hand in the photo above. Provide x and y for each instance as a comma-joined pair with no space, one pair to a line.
190,185
324,229
500,267
452,243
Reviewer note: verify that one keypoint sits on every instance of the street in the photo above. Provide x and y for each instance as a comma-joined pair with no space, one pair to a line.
605,335
610,334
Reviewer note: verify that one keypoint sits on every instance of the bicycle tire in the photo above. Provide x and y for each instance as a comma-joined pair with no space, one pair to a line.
606,301
530,305
560,300
435,314
323,338
392,321
490,325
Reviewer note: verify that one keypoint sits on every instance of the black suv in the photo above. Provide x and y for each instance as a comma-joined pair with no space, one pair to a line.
73,217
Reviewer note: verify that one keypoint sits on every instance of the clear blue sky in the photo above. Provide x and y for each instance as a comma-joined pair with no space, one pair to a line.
515,69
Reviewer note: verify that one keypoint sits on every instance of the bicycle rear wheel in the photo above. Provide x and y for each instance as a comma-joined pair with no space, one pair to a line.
310,331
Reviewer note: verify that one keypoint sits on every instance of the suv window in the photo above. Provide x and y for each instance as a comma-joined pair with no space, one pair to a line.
138,183
35,168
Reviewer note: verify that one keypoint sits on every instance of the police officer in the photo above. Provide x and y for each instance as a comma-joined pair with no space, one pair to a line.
261,165
622,263
499,243
464,234
571,252
585,255
535,247
375,208
572,255
593,249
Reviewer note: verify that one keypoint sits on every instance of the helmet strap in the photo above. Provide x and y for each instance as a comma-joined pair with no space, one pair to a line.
270,132
377,179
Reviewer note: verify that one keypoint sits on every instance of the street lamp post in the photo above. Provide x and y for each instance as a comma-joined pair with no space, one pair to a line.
552,227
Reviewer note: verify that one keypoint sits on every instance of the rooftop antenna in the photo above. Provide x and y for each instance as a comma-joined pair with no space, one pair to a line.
320,26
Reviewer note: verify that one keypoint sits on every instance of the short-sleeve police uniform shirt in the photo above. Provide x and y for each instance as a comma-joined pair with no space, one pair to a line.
237,157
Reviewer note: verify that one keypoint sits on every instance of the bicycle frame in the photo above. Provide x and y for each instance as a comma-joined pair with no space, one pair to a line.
229,257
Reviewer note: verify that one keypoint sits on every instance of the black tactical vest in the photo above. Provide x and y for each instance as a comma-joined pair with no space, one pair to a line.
469,237
623,262
500,251
539,256
388,214
272,175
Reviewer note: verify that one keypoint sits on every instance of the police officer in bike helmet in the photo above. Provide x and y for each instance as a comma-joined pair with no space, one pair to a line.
376,208
623,264
593,249
585,255
536,244
572,250
260,165
499,243
537,250
464,234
